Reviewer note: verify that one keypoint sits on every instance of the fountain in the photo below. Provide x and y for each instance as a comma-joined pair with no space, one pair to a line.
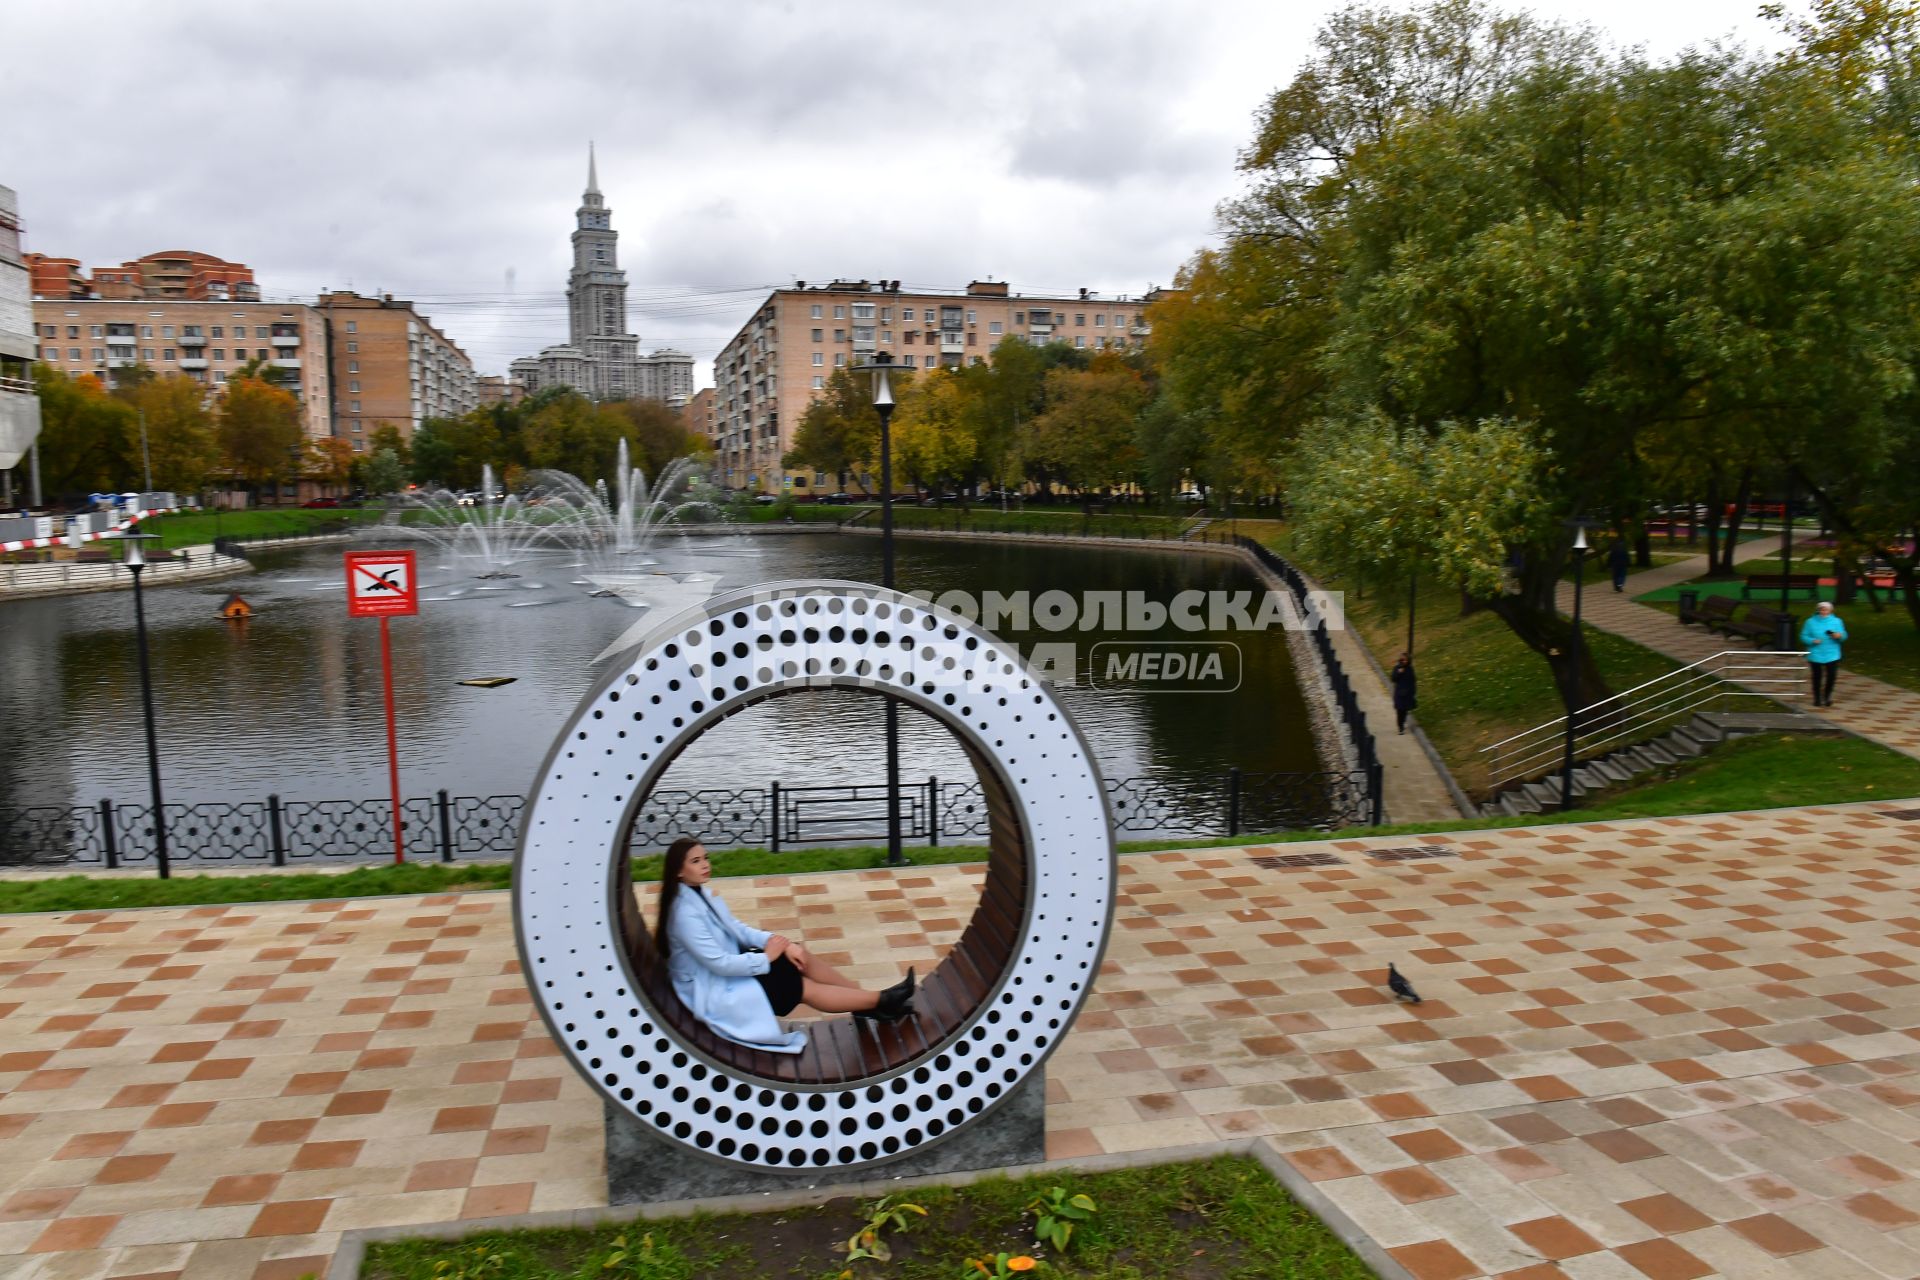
613,528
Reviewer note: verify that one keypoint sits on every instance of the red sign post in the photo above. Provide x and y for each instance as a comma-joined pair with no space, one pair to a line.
381,584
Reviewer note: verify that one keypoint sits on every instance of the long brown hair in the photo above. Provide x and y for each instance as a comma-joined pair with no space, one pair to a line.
670,889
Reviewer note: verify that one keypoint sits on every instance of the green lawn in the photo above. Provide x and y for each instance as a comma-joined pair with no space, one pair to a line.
1208,1221
188,529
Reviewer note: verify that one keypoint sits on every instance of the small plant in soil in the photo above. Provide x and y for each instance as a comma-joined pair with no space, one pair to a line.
1056,1213
1001,1266
870,1241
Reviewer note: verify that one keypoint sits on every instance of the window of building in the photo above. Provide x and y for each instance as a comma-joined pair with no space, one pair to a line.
863,311
219,332
911,335
1099,322
219,353
818,360
73,353
353,348
993,326
98,355
49,353
354,386
220,376
73,331
1079,341
1100,343
839,335
166,331
146,331
839,359
146,353
971,316
839,313
261,353
259,331
1080,319
95,331
906,313
906,362
353,326
863,333
356,424
819,335
355,408
816,311
166,353
353,366
818,382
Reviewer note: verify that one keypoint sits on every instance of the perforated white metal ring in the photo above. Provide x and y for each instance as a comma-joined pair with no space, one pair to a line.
715,660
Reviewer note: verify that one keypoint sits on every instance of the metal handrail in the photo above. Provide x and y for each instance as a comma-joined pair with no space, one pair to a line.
1730,674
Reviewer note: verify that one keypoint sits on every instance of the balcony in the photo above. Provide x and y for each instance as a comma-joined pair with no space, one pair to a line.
951,341
116,360
286,362
286,339
1140,330
193,362
192,340
19,416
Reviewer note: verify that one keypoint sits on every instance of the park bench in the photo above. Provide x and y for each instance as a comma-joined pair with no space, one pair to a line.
841,1048
93,557
1809,582
1760,623
1714,613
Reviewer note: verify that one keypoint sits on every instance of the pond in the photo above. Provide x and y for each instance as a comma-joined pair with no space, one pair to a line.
290,702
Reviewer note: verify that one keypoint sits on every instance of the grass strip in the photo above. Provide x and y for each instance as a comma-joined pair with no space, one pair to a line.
1211,1220
1766,771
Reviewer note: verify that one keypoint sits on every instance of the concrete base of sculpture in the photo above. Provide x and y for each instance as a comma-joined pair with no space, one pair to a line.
642,1169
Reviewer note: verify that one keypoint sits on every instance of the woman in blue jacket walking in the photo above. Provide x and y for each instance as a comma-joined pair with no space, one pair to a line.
1821,636
740,980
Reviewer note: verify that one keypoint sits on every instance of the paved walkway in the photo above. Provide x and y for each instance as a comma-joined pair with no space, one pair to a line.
1682,1047
1873,709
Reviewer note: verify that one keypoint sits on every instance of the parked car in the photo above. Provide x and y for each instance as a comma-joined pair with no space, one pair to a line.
317,503
838,499
765,499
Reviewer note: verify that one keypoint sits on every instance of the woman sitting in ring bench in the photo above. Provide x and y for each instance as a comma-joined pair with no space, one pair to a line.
740,980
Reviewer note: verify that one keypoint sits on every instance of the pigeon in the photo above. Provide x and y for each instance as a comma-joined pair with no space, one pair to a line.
1402,989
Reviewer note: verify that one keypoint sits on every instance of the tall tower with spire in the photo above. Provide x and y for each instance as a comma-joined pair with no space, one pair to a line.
601,359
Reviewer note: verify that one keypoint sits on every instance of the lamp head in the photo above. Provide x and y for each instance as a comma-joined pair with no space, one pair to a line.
879,369
136,557
1580,538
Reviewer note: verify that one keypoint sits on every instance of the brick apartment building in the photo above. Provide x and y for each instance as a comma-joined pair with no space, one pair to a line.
175,274
391,367
204,341
701,415
766,376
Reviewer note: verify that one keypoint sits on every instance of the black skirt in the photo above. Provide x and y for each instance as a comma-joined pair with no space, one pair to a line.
782,983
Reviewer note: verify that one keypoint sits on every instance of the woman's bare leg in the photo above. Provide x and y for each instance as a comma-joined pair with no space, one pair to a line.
828,998
822,972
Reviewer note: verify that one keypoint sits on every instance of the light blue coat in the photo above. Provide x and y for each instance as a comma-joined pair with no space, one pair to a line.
1814,638
715,979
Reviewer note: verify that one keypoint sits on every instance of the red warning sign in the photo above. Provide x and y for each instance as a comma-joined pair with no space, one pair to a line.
381,584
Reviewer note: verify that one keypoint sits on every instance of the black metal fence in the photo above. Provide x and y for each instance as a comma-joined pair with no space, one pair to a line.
448,828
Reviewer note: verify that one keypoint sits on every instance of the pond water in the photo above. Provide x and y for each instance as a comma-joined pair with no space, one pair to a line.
290,702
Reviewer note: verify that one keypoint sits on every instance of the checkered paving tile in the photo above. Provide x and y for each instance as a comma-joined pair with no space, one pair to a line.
1662,1048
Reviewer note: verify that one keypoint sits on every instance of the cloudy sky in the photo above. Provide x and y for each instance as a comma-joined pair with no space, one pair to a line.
437,150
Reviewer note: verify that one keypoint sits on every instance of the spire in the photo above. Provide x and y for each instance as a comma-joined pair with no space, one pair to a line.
593,172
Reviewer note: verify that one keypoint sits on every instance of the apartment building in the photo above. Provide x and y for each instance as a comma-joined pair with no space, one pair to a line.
205,341
780,359
494,389
701,415
176,274
19,405
392,367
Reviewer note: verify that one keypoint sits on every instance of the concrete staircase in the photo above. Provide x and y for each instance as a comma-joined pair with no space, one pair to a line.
1685,741
1197,527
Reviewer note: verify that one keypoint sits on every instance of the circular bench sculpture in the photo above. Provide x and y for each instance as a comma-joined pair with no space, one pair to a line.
862,1093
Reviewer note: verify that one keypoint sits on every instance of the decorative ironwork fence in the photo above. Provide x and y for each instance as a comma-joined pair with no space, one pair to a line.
449,828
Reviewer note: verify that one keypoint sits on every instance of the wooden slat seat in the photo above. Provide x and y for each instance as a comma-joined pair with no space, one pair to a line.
841,1048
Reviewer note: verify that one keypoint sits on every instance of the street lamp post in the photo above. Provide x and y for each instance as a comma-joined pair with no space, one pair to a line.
136,563
883,405
1575,706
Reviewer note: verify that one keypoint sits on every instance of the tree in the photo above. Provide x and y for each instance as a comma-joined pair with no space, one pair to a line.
570,433
181,443
839,429
87,441
932,431
656,434
259,431
330,461
452,451
383,472
1086,433
387,436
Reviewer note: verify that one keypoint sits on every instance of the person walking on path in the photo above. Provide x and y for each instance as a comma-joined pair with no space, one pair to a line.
1405,693
1617,561
1821,635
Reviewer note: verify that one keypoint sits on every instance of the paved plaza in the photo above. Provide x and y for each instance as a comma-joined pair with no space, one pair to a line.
1665,1048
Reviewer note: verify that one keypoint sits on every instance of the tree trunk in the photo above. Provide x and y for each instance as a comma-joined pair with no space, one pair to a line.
1714,503
1732,540
1643,548
1532,615
1843,581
